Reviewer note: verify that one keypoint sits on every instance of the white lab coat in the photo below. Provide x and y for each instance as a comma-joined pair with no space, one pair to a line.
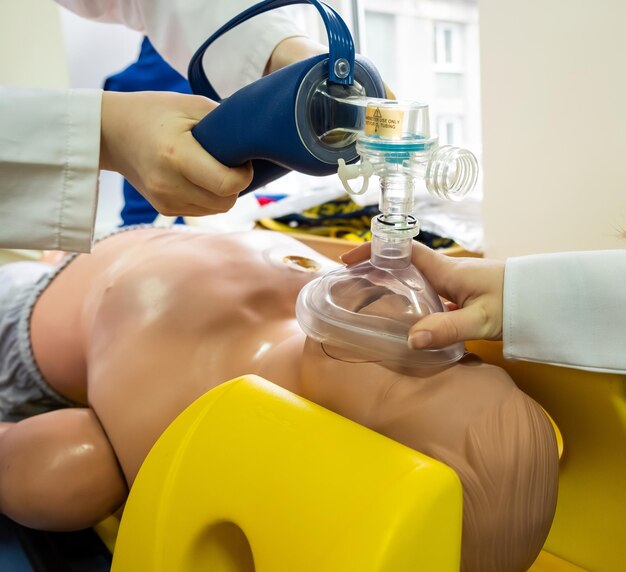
567,309
50,140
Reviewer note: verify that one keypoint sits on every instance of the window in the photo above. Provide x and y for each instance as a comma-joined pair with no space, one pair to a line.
425,50
447,54
450,130
428,50
449,86
380,43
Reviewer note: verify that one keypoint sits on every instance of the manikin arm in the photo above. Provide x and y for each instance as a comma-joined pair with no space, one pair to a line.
58,471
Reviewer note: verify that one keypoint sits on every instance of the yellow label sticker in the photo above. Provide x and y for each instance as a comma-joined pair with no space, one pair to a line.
383,121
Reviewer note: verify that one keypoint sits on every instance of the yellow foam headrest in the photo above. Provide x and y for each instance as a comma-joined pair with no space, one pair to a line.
253,473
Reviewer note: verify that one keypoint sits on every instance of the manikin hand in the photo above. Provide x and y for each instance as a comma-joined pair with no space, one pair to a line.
473,286
146,136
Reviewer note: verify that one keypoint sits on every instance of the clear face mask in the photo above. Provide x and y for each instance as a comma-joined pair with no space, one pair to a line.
369,308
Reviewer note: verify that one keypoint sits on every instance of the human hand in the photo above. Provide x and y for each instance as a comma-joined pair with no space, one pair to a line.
298,48
291,50
146,136
474,287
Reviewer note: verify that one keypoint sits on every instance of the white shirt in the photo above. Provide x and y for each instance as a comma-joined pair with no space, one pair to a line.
567,309
50,139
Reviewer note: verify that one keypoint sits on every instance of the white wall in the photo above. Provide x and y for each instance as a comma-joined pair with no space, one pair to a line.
31,48
95,50
554,125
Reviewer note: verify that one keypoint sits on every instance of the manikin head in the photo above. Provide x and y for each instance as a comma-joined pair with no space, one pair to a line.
468,414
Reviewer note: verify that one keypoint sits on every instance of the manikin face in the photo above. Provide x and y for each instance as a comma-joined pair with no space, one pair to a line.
470,415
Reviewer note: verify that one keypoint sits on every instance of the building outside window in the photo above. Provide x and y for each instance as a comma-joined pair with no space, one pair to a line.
450,130
425,50
447,42
428,50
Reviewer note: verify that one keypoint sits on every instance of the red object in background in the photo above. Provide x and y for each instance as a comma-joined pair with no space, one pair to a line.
267,199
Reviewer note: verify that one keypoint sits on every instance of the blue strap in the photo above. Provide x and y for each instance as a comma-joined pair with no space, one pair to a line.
340,45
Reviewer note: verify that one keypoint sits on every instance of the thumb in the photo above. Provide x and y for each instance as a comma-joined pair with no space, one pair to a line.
358,254
444,328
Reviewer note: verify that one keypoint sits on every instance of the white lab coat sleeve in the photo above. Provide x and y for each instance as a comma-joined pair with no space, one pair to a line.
49,155
178,27
567,309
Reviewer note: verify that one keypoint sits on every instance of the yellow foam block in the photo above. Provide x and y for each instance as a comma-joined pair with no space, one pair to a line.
547,562
253,477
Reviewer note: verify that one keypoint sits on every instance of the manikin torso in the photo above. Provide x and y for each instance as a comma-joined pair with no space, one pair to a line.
153,319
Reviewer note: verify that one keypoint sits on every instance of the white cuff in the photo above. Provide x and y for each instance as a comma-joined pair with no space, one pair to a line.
567,309
49,156
80,182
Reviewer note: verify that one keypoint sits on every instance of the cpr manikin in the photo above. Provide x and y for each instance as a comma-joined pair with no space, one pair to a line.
155,318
